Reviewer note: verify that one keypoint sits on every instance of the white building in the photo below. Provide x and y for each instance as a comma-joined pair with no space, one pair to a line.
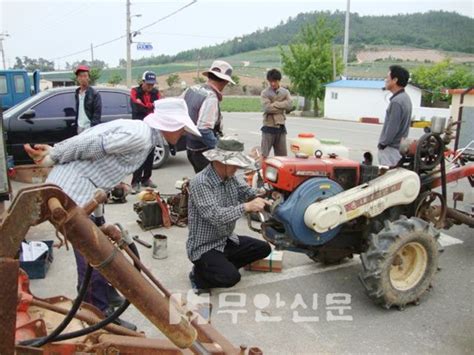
351,99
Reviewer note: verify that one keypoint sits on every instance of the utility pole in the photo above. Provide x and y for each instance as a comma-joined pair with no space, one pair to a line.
129,43
2,37
346,37
92,53
199,64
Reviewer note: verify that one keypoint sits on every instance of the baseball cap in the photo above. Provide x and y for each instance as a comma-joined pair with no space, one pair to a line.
149,77
80,68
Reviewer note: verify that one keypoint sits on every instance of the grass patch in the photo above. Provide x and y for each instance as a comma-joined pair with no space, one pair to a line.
241,104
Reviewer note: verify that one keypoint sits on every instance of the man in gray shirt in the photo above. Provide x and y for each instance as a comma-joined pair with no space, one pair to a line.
398,117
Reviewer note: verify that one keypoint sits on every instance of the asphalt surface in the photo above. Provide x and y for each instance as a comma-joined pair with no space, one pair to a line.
442,323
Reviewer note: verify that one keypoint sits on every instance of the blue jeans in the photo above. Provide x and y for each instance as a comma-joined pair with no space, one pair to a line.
96,293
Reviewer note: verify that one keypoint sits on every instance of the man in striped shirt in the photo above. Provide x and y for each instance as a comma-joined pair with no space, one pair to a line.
102,156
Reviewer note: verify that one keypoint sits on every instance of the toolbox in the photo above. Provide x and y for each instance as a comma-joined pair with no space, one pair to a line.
38,268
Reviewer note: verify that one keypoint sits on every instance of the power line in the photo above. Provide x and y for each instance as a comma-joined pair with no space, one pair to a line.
167,16
60,20
182,34
123,36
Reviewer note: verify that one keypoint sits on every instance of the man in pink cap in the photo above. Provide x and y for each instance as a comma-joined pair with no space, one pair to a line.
101,157
203,104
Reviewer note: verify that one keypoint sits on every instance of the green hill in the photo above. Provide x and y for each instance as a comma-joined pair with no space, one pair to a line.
441,30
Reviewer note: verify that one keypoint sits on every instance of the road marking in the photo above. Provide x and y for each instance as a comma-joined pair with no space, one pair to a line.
255,132
259,279
446,240
288,274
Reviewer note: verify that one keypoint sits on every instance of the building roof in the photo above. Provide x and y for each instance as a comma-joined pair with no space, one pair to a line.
358,84
460,91
60,79
361,84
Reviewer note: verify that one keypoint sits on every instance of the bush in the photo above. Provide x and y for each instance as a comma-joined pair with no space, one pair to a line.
172,80
199,80
115,79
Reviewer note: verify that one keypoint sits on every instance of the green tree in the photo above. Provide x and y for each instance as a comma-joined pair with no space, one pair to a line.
309,61
236,79
115,79
172,80
94,76
443,75
199,80
31,64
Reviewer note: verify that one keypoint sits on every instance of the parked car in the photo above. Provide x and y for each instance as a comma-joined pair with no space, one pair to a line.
48,118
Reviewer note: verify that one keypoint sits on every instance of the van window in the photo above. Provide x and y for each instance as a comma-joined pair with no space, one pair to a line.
3,84
19,84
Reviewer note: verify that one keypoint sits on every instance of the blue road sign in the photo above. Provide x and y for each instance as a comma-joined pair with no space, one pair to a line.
144,46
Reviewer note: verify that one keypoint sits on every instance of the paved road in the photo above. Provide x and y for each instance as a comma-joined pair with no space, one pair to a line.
442,323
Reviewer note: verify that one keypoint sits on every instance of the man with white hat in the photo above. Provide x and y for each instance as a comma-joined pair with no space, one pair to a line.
101,157
204,109
217,200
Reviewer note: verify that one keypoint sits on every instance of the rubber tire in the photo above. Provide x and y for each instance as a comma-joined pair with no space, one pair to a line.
329,260
378,258
165,155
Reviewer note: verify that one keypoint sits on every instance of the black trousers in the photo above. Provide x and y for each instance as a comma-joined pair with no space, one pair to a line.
197,160
143,174
216,269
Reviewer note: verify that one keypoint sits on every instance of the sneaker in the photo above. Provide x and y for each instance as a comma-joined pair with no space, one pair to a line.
114,298
121,322
135,189
149,183
196,289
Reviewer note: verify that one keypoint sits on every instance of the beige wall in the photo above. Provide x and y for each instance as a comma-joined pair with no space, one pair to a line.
468,101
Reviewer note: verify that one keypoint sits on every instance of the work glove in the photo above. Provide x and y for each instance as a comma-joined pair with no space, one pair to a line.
40,154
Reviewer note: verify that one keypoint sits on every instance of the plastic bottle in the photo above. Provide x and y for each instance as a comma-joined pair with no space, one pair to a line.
305,143
334,146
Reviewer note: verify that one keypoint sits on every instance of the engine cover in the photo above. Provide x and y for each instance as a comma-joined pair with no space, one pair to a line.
291,212
396,187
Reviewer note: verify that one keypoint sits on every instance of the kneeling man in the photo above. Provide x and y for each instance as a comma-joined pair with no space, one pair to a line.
217,200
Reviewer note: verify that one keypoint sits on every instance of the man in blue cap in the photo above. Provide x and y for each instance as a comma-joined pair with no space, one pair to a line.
142,98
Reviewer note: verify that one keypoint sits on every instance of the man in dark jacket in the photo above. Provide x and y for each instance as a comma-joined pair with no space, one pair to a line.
88,101
142,98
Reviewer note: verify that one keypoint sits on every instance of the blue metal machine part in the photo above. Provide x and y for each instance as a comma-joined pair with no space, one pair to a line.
291,212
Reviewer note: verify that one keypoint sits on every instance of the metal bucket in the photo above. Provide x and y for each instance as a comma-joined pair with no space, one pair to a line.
438,124
160,246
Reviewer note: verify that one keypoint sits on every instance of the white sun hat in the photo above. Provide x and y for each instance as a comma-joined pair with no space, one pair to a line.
171,115
222,70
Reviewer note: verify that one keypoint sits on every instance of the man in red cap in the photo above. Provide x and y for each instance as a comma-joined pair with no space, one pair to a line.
88,101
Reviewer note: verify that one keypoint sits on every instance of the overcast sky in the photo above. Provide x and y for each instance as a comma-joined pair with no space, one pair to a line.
55,29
